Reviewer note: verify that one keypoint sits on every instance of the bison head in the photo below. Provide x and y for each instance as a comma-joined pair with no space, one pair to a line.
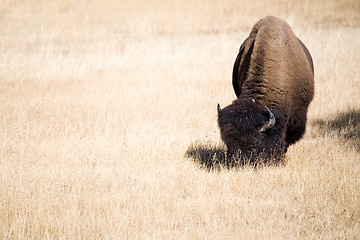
249,130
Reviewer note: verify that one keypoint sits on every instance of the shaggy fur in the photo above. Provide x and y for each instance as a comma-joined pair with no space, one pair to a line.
273,69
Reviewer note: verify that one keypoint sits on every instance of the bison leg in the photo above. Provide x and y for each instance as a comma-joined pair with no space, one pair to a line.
295,131
286,147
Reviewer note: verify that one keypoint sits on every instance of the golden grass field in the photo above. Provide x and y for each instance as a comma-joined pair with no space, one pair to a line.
108,123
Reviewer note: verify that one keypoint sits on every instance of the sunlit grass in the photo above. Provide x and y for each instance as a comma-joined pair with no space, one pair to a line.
108,123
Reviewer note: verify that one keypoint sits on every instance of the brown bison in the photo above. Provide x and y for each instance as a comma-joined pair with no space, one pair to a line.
273,78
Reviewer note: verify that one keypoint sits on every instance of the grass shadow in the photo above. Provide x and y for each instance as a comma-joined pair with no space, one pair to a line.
214,157
208,156
345,126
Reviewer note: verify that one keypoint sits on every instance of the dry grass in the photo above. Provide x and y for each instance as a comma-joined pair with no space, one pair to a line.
108,114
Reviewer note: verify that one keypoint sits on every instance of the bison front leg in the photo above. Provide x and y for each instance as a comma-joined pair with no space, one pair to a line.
296,128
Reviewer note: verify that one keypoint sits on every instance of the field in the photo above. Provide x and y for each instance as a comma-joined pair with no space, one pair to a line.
108,123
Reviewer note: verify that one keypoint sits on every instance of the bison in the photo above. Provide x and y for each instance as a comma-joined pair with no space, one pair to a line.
273,79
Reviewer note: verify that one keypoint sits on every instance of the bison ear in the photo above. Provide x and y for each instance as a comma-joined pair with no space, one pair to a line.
270,123
218,108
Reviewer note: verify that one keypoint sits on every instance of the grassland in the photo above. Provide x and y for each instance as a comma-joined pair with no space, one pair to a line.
108,123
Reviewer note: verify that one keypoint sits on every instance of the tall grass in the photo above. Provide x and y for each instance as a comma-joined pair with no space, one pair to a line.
108,123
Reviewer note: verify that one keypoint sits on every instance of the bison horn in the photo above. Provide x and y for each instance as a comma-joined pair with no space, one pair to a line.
218,108
269,124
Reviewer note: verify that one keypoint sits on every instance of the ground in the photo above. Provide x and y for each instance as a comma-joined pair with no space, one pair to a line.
108,123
